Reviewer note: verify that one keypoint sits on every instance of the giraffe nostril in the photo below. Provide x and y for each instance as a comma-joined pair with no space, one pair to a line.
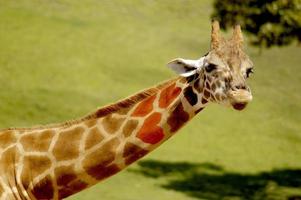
236,87
240,87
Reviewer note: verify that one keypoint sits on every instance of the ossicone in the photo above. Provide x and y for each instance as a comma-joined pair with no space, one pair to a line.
237,35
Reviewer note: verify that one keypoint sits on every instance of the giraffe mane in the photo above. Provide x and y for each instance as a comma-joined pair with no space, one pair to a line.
105,110
129,101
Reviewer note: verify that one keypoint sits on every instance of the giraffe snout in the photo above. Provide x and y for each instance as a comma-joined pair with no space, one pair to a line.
239,98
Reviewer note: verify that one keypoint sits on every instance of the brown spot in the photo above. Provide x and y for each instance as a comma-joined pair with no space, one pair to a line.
97,162
43,189
206,94
204,101
213,86
66,147
94,137
32,167
7,138
106,171
191,97
65,174
91,122
145,107
218,84
129,127
208,85
168,95
37,141
132,153
72,188
177,118
150,131
68,182
112,124
198,86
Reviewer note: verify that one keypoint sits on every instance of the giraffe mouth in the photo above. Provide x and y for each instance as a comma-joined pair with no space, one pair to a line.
239,106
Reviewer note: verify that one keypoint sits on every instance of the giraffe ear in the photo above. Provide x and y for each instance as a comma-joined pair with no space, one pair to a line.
185,67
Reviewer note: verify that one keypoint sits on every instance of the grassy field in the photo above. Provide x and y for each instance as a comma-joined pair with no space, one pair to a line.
61,59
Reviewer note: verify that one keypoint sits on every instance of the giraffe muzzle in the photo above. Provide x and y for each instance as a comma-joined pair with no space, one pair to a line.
240,98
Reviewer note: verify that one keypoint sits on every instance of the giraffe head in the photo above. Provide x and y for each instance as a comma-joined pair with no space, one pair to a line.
221,74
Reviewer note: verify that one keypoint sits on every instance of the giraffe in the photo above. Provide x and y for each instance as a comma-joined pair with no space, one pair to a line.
56,161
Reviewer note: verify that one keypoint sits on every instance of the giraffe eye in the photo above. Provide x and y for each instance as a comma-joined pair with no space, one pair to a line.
249,71
210,67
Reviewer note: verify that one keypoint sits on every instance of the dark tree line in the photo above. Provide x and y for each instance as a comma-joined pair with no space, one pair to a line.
268,22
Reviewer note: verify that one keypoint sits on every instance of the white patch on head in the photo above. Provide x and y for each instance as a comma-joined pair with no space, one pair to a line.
185,67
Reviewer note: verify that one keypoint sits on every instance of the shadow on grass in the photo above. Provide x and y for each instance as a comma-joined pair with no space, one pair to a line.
209,181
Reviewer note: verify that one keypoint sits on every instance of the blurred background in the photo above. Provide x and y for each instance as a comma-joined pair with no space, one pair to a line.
61,59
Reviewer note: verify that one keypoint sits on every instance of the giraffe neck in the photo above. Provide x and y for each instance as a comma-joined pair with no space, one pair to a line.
56,162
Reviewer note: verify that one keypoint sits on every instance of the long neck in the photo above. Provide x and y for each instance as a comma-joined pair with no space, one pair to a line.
125,135
57,162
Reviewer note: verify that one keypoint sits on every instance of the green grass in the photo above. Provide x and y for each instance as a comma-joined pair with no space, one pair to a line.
62,59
